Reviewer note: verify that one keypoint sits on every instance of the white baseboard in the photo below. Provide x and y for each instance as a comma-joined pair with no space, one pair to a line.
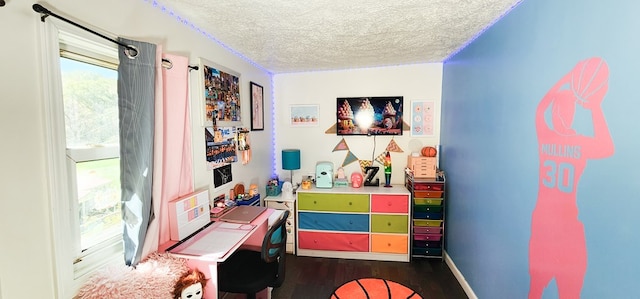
463,282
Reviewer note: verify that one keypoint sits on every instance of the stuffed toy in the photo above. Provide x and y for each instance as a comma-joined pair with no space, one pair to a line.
190,285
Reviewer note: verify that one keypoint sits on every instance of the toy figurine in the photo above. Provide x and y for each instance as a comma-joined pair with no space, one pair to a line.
341,179
190,285
356,179
306,184
253,190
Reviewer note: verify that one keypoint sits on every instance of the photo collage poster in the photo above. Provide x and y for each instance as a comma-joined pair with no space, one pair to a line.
220,146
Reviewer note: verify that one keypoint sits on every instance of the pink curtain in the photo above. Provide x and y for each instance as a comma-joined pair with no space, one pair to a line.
173,167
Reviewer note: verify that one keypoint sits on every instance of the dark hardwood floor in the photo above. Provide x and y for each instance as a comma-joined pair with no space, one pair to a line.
309,277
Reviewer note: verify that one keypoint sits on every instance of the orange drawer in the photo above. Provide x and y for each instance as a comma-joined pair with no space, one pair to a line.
428,194
389,203
333,241
390,243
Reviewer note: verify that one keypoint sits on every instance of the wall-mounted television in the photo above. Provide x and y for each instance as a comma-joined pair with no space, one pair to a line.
369,115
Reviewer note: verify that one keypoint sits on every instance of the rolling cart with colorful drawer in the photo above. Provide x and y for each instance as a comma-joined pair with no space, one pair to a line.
427,217
370,223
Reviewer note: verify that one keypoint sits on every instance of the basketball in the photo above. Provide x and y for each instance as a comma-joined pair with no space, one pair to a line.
366,288
429,151
589,81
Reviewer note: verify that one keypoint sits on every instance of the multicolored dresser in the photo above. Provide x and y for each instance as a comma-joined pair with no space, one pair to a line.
369,223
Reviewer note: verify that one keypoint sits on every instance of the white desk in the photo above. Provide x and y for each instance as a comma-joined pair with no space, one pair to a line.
208,264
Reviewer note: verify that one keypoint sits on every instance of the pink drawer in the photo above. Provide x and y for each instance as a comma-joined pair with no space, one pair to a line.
333,241
427,237
427,229
390,203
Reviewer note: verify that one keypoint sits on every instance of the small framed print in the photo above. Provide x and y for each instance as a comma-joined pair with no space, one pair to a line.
257,107
304,115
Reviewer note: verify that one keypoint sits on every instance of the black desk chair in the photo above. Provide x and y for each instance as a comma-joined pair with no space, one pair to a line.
250,272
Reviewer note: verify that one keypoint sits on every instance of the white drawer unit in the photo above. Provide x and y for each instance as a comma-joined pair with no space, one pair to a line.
279,203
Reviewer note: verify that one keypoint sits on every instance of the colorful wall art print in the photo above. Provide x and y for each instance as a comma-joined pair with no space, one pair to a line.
221,94
220,146
422,118
304,115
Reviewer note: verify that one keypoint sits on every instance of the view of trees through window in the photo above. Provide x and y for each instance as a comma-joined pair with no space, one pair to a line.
90,104
91,126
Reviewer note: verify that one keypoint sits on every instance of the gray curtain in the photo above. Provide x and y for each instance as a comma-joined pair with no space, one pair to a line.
136,95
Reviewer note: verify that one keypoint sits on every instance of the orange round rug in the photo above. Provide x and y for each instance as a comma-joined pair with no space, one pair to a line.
373,288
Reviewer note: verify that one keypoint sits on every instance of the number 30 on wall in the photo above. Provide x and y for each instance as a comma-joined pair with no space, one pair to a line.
559,176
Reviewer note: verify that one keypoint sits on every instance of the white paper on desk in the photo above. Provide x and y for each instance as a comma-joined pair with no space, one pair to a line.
216,242
229,225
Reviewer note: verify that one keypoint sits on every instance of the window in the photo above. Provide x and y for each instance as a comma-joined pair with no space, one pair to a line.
89,92
81,120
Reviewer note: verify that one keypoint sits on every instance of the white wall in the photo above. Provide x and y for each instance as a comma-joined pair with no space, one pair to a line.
413,82
26,256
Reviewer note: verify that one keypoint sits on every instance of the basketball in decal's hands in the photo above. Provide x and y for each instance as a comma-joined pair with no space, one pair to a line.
429,151
589,81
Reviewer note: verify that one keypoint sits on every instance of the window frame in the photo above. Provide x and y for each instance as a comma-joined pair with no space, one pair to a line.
71,269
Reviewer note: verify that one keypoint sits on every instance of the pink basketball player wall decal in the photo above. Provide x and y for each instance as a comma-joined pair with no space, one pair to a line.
557,247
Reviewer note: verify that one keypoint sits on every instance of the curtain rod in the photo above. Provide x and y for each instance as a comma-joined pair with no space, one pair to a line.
44,13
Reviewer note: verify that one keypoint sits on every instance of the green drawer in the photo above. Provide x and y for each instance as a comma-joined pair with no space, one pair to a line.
424,222
428,201
389,223
333,202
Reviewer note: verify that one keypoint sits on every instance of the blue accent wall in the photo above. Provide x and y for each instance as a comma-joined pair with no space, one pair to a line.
490,148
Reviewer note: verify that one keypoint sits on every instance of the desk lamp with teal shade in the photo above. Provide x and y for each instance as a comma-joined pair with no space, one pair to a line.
291,161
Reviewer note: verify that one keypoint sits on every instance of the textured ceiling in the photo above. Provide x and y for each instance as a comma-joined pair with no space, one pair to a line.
292,36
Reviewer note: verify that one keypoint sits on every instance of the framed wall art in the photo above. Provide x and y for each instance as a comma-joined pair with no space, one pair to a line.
422,118
222,175
221,94
304,115
257,107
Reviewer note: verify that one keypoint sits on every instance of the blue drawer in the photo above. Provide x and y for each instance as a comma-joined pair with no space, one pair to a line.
335,222
427,251
427,215
249,201
427,244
